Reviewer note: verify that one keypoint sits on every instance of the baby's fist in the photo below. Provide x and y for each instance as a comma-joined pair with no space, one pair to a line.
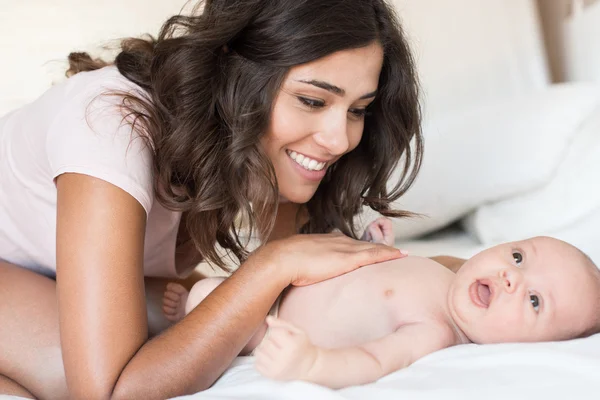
379,231
285,353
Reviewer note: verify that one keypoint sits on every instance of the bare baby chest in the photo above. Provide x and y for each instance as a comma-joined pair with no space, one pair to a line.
368,303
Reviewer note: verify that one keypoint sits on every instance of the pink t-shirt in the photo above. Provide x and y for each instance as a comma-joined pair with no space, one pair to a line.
74,128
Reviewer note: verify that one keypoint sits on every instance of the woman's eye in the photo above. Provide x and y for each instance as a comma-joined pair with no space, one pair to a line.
518,257
311,103
535,302
359,112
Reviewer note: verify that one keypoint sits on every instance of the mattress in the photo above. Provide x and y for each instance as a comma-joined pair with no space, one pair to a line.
554,370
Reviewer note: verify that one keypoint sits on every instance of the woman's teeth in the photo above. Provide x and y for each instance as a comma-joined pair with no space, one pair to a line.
305,162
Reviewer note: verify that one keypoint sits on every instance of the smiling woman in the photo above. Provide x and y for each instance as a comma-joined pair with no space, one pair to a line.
289,115
319,116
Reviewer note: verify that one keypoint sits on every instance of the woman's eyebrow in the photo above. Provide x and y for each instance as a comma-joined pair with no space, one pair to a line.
334,89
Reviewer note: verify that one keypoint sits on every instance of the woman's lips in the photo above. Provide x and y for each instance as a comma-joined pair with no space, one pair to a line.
314,175
481,293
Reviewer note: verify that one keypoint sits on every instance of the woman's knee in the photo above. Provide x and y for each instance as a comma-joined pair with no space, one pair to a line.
29,332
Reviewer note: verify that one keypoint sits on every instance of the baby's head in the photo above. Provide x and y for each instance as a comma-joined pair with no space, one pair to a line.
539,289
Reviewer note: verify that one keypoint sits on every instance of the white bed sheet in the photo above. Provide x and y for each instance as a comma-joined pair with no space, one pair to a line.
557,370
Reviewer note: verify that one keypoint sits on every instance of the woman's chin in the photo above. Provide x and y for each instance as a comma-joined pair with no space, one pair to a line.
297,197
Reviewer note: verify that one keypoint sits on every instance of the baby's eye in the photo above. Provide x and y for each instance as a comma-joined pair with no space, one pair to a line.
518,257
535,302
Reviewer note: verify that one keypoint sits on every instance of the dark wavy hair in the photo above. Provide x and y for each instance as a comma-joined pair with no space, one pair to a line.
211,78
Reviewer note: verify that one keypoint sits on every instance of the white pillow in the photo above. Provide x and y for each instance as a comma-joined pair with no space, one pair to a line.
571,196
494,152
584,234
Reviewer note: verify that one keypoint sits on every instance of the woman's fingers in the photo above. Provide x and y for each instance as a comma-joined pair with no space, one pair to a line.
377,255
360,246
313,258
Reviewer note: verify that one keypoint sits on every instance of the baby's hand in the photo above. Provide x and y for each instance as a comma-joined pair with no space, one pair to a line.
379,231
285,353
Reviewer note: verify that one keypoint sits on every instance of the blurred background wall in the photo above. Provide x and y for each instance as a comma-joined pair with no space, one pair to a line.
572,38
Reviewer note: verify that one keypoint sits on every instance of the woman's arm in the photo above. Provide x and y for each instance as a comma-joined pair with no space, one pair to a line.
100,288
100,231
452,263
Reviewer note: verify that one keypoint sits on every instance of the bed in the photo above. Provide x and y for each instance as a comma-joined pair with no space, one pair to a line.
567,370
555,370
508,155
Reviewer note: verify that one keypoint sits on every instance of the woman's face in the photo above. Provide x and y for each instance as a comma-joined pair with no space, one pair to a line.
318,116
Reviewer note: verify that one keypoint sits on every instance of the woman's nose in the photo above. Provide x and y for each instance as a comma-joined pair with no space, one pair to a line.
333,136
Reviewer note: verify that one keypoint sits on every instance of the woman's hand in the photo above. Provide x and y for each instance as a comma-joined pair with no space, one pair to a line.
379,231
308,259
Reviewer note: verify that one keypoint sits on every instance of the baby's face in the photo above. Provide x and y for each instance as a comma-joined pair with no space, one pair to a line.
540,289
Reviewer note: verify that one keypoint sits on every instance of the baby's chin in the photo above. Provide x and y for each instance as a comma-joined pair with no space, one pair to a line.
494,337
472,334
483,337
478,334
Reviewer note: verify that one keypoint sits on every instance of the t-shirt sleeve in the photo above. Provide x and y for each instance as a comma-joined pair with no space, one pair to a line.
90,136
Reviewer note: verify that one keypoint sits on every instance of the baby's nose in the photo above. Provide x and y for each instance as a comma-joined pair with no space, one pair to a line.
509,280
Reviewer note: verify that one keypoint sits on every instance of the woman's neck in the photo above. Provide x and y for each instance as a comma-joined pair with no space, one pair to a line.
289,220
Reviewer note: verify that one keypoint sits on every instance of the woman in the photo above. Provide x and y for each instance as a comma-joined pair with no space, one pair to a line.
287,116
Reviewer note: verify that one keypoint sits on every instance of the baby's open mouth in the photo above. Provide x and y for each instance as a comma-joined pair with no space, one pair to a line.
481,293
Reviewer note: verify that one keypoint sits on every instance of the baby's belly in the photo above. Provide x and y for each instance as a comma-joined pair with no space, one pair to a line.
345,311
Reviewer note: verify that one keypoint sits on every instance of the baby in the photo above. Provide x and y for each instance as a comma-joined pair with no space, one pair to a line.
358,327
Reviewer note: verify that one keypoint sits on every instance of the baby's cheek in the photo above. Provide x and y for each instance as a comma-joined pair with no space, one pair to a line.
506,327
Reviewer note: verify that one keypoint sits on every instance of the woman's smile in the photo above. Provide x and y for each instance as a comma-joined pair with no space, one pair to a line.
307,162
307,167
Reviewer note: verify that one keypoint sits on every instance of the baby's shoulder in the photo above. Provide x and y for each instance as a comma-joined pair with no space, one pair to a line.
425,262
422,272
412,263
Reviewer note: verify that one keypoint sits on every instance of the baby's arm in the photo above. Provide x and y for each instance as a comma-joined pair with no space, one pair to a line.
287,354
